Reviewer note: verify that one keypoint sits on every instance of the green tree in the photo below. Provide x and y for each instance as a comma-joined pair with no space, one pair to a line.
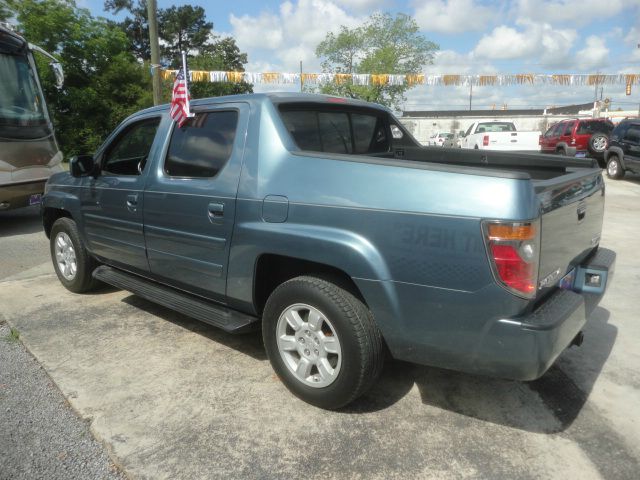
183,28
135,27
384,44
224,55
104,83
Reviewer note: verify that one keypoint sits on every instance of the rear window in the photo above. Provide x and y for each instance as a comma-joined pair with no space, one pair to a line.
587,128
337,131
496,127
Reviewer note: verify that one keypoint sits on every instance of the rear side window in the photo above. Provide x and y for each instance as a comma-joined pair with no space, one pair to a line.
557,129
335,134
202,147
337,131
569,129
587,128
370,134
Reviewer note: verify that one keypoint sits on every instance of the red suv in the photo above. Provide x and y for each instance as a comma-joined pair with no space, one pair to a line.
577,137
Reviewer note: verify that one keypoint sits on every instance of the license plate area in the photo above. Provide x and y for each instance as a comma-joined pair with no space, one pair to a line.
566,282
35,199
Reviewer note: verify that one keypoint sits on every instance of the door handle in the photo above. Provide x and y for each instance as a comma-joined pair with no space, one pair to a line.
216,210
132,200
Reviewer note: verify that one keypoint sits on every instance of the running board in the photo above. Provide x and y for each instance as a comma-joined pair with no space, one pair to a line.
228,320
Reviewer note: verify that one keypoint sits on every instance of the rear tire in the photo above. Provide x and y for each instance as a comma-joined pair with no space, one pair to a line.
71,261
614,167
322,342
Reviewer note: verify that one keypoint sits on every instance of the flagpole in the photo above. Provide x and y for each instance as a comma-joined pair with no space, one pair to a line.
186,82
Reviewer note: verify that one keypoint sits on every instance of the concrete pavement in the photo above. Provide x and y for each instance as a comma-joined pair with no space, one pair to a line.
174,398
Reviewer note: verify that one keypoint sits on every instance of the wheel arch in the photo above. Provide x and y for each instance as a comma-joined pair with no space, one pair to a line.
618,152
272,270
56,205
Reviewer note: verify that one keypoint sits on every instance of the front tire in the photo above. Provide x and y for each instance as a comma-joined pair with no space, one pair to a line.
322,342
614,167
71,261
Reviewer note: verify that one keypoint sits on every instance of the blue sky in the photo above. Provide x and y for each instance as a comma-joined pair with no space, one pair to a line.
475,37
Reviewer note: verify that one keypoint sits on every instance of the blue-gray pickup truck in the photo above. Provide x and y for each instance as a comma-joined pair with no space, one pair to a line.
323,222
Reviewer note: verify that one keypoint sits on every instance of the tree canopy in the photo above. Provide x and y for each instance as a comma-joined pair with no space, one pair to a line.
384,44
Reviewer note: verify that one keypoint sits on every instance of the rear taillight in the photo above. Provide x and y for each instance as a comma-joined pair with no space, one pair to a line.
514,253
539,139
573,141
485,141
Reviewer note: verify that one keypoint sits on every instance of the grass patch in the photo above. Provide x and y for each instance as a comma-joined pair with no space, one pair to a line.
13,335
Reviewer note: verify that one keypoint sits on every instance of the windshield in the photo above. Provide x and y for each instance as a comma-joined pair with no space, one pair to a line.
21,102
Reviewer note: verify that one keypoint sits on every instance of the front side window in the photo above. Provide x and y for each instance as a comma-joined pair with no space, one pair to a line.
632,135
202,147
128,153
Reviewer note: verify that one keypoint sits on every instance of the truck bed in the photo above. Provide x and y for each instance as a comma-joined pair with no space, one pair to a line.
536,166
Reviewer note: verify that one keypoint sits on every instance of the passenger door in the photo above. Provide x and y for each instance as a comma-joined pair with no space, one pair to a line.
190,200
111,203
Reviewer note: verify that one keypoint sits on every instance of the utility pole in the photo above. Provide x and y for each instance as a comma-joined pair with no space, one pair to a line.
155,51
301,76
470,94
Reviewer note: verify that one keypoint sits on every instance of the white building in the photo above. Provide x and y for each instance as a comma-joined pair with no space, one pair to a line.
423,124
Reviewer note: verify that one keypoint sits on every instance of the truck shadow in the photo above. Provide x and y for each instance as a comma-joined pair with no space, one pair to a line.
547,405
248,343
21,221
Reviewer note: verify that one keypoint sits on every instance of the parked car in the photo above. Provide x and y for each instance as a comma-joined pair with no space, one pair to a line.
323,222
623,153
578,137
499,136
438,139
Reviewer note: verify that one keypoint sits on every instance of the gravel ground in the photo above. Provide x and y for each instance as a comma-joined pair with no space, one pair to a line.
40,436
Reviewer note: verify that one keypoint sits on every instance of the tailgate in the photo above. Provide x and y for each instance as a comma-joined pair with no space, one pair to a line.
514,140
572,214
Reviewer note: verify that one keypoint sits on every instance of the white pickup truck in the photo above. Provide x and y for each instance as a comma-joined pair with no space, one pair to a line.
499,136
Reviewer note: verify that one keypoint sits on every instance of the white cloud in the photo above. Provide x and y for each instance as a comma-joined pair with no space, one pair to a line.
453,16
361,5
291,35
452,62
633,36
569,12
537,43
263,31
594,55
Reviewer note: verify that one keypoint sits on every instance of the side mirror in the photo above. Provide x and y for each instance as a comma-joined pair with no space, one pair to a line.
81,165
58,73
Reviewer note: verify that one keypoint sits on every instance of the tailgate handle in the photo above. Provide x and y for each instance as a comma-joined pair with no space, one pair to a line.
582,211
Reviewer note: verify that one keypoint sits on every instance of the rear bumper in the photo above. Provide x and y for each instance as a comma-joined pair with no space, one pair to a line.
524,348
18,195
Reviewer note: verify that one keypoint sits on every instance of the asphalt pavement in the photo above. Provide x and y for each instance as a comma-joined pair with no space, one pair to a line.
174,398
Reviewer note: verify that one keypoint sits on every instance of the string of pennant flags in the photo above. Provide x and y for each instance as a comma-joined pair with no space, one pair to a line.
367,79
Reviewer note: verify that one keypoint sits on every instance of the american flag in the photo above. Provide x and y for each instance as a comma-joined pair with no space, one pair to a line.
179,99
